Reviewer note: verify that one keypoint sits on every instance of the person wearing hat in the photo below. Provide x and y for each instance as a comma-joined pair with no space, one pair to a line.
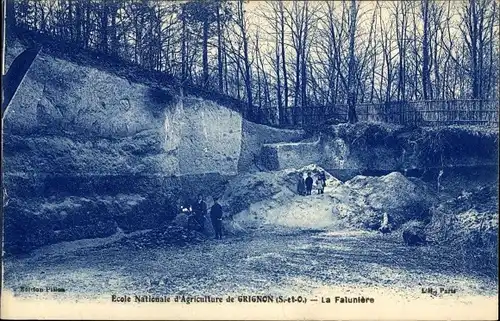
216,218
309,184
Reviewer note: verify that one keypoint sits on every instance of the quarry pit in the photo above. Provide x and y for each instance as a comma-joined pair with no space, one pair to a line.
96,166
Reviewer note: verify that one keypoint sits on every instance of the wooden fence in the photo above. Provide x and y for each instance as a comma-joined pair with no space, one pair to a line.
418,113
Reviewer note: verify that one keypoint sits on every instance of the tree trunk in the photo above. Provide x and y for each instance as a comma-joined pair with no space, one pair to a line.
86,22
104,27
304,63
205,53
425,49
219,51
474,41
114,40
238,84
283,60
246,60
401,33
281,114
351,99
183,51
78,23
296,93
248,80
225,70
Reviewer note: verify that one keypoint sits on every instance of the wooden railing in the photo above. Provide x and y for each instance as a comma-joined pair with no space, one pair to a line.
418,113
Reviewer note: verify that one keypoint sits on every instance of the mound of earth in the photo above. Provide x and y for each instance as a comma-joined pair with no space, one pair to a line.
247,189
469,223
270,198
401,198
159,237
463,217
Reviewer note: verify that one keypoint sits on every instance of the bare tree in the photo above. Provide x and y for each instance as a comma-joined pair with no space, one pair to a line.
477,32
309,54
351,98
426,79
299,21
401,13
243,58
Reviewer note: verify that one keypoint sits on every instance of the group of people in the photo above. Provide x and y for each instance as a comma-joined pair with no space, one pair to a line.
199,211
305,186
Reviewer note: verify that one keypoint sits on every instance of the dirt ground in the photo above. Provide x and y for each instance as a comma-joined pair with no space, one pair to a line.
281,261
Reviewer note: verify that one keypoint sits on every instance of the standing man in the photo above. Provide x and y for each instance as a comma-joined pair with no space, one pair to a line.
200,210
216,217
309,184
323,177
301,185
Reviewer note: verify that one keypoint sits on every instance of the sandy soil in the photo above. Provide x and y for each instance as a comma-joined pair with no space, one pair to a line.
278,262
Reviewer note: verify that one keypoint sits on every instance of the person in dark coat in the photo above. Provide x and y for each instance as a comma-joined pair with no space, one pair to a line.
200,211
216,218
301,185
309,184
322,175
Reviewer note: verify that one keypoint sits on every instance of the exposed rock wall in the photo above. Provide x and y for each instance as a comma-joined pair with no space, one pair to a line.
81,120
76,132
71,119
256,136
368,147
290,155
387,147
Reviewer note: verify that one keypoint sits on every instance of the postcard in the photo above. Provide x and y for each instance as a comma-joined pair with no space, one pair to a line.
270,160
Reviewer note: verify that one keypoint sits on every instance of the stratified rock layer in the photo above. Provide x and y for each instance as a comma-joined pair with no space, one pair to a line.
377,147
77,138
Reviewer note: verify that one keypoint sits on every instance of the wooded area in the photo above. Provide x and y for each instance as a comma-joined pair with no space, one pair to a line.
286,59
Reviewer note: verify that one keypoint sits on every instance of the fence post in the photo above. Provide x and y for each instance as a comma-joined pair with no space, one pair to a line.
448,114
481,110
401,114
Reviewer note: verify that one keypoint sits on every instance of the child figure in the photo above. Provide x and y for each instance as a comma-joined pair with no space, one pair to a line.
320,185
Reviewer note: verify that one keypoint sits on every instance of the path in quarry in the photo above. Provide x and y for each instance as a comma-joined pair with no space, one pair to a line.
270,260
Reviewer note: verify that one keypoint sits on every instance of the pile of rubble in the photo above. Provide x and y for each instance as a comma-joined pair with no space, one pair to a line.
471,219
270,198
161,237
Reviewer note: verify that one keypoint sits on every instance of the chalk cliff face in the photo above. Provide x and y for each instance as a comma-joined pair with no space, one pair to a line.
96,123
75,119
78,135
